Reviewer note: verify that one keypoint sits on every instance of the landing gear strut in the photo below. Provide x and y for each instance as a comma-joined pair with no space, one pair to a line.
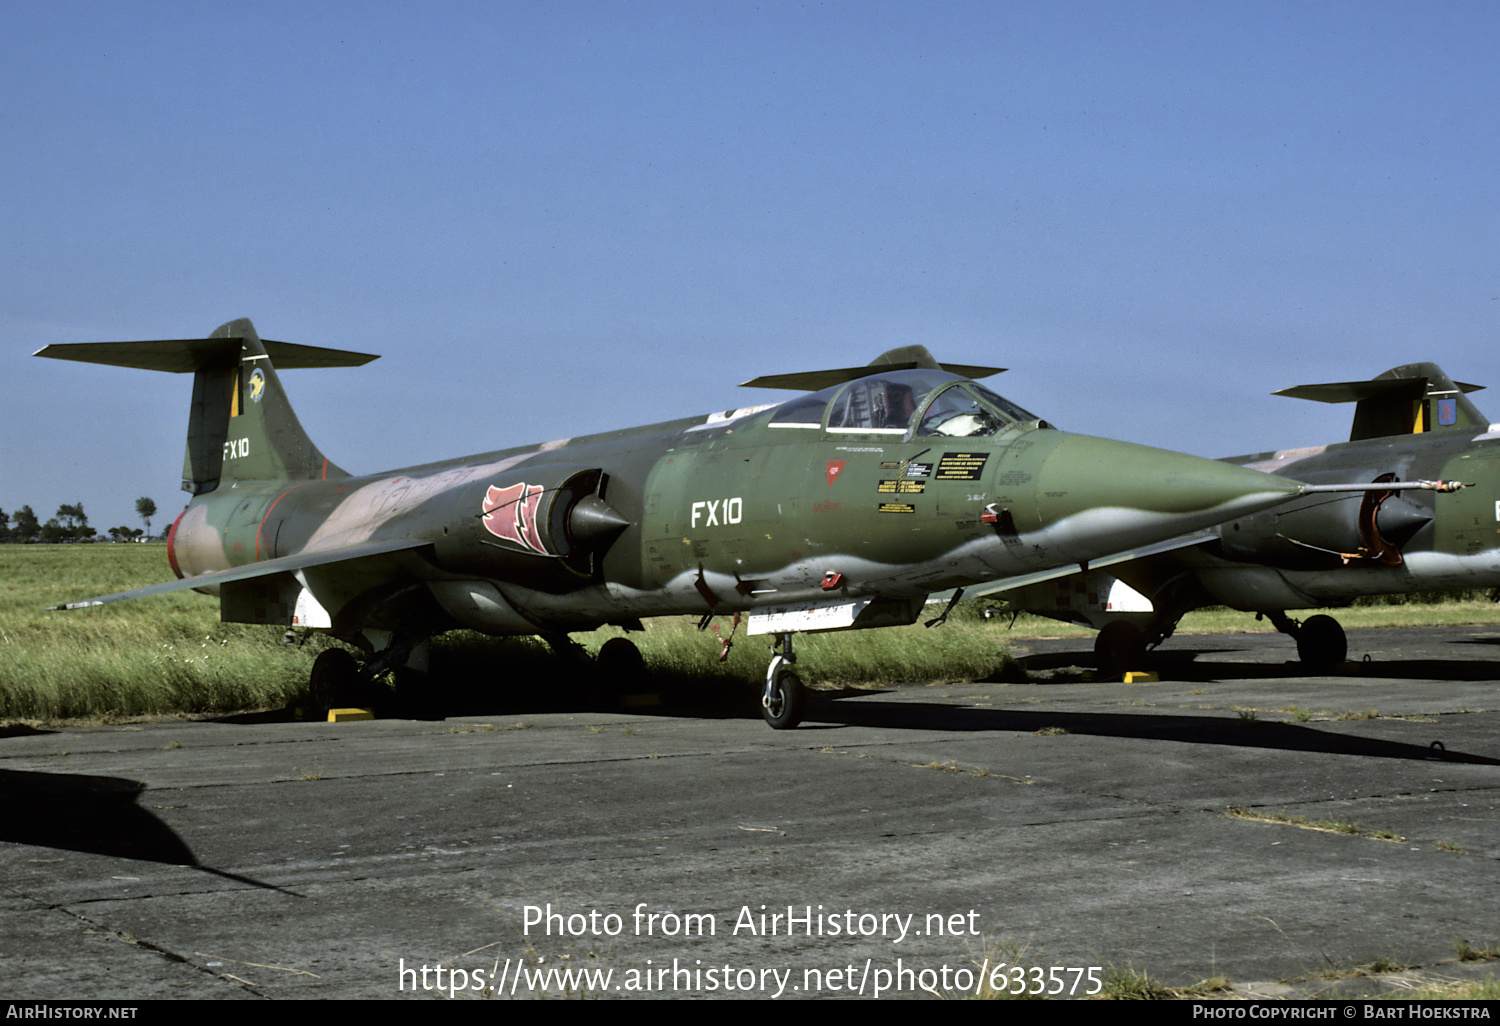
782,701
1320,640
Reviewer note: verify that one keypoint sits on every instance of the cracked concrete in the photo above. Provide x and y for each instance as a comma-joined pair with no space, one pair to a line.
1081,824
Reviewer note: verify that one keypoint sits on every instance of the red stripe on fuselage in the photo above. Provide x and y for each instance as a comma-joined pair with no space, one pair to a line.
263,519
172,545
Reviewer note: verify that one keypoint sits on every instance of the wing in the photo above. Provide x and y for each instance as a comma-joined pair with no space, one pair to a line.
1185,541
282,564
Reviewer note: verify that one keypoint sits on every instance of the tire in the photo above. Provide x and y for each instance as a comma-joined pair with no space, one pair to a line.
1321,642
782,708
334,679
620,664
1119,647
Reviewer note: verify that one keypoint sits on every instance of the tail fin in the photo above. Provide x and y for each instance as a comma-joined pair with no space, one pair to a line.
242,428
1410,399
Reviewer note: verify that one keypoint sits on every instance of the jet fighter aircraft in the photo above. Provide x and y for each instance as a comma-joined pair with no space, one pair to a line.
1320,550
841,509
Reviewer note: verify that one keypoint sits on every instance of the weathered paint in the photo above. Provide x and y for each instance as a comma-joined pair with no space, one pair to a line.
866,496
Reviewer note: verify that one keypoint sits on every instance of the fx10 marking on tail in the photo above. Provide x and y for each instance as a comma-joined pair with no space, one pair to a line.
777,513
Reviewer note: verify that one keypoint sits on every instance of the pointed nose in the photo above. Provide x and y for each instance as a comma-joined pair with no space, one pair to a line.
1096,497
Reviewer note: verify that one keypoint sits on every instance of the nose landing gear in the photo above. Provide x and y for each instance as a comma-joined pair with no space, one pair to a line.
784,697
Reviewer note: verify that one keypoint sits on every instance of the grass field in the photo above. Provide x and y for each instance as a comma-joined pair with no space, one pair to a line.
170,655
161,655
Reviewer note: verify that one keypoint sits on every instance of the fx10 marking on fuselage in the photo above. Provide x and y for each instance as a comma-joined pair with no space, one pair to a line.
236,448
731,510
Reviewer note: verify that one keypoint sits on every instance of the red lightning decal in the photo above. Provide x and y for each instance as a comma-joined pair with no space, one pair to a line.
510,514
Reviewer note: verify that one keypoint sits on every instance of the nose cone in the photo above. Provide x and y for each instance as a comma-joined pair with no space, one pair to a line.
1398,519
1096,497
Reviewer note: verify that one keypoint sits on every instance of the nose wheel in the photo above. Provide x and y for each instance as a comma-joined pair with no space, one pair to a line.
784,697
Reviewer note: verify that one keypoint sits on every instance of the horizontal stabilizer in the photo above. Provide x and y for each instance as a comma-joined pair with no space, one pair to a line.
1358,391
266,567
1411,399
181,355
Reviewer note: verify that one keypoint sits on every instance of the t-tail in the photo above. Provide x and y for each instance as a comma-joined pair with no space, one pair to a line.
241,427
1411,399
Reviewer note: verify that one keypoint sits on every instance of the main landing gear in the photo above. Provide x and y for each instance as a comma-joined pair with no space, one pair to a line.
341,679
1120,646
336,681
782,701
619,670
620,664
1321,643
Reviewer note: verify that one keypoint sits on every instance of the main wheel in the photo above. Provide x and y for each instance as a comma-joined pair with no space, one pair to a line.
782,703
620,663
334,679
1321,642
1119,647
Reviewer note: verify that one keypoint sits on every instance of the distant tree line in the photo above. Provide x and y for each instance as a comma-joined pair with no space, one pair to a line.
71,524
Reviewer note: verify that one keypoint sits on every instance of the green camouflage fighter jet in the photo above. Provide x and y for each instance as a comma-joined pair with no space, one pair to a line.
841,509
1320,550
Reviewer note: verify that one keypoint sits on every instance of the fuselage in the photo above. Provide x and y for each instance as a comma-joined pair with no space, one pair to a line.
1324,550
892,487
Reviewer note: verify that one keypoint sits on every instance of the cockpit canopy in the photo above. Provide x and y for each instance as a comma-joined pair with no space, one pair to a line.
927,402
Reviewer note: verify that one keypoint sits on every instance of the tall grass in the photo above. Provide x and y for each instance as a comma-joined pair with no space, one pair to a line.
170,654
967,647
163,655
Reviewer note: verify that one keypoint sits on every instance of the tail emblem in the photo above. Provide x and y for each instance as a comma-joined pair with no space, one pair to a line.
257,385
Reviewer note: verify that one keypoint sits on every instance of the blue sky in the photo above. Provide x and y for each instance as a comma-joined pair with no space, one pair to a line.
553,218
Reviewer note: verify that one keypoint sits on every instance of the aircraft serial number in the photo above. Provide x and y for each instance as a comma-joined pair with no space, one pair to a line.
236,447
719,511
